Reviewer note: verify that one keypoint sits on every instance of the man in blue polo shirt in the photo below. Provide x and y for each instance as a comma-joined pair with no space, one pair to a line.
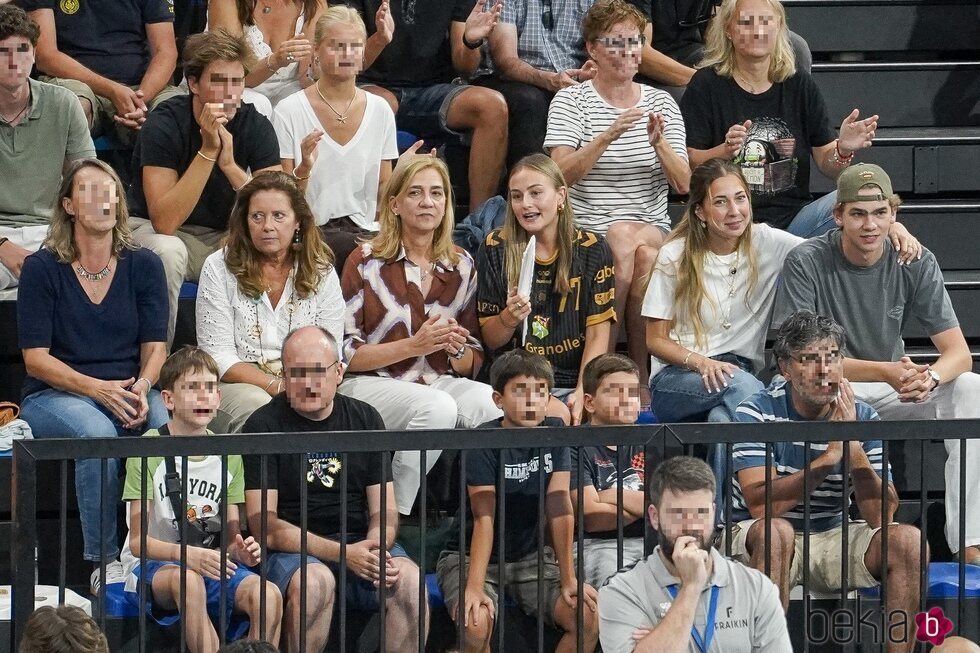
808,350
117,56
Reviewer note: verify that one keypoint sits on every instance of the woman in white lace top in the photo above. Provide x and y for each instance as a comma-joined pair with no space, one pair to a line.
277,32
274,275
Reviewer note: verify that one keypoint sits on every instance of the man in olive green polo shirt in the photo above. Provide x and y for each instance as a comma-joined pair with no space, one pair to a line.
41,128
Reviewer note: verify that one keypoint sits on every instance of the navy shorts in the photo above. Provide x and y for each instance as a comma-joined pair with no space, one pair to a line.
237,625
361,594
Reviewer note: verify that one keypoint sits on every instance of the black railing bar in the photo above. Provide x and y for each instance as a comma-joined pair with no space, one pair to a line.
223,544
24,538
729,481
342,585
423,595
620,506
144,524
541,541
302,462
807,460
348,441
501,565
182,520
383,553
923,529
768,522
580,542
885,519
62,535
263,536
814,431
961,518
845,517
103,498
464,558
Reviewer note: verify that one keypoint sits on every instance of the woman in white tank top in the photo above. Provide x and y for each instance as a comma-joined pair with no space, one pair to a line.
275,32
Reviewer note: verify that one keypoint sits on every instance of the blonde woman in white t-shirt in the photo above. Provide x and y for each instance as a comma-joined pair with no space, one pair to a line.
620,145
710,296
337,140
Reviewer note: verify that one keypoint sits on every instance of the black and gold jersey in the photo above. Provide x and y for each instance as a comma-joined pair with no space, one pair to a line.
556,326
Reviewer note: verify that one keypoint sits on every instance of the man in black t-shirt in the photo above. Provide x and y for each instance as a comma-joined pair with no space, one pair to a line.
311,403
521,385
430,42
117,56
192,155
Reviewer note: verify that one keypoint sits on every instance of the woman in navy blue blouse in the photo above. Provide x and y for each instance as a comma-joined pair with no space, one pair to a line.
92,322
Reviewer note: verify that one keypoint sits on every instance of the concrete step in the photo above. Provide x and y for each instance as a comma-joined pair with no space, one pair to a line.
917,94
867,26
925,161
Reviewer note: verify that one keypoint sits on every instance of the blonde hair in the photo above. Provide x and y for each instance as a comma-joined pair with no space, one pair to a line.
338,15
719,52
690,292
515,237
61,230
313,257
388,243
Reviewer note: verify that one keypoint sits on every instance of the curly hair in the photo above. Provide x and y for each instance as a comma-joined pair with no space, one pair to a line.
61,230
313,257
62,629
605,14
14,21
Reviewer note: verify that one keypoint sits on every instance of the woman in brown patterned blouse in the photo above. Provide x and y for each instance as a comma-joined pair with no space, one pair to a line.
411,334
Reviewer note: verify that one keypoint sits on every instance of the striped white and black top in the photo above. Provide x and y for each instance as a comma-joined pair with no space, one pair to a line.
628,181
774,405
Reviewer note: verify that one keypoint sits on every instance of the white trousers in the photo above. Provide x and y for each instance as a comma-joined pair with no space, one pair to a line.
958,399
29,237
447,403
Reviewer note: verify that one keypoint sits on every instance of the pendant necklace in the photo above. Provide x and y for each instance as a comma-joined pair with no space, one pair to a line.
94,276
341,117
732,282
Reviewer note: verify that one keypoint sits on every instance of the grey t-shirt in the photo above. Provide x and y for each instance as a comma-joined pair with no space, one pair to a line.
872,303
749,616
33,153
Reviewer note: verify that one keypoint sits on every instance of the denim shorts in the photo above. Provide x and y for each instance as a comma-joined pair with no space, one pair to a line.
237,624
424,110
361,594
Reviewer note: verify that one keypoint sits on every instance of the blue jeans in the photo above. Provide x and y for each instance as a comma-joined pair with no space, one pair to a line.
816,218
679,395
56,414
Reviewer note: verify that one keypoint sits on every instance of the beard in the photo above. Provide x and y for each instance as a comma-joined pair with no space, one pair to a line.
667,544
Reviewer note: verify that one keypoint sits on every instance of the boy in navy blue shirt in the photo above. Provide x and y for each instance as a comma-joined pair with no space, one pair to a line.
521,384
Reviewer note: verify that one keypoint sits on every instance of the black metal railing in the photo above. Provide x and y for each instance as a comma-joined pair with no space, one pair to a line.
658,442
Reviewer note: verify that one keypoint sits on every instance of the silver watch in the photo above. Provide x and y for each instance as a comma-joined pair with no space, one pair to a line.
935,377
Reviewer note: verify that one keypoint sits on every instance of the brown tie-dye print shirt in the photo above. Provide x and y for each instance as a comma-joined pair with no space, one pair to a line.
385,304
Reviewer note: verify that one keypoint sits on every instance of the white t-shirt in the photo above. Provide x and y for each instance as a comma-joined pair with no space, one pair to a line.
344,179
628,181
747,315
203,496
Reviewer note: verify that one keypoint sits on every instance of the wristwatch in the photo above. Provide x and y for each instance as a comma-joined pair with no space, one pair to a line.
935,378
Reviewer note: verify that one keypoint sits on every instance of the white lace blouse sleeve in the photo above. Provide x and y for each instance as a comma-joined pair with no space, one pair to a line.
216,313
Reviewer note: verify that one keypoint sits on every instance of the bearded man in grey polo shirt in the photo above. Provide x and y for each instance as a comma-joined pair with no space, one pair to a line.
686,597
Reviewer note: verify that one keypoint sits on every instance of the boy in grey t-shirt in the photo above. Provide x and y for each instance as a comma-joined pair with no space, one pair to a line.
846,275
685,590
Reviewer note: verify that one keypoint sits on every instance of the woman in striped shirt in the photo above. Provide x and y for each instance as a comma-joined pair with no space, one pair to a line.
619,145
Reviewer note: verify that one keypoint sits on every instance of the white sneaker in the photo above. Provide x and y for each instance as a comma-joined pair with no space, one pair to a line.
114,573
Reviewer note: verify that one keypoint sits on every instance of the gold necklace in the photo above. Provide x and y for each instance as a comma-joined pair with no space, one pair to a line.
747,83
732,270
341,118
